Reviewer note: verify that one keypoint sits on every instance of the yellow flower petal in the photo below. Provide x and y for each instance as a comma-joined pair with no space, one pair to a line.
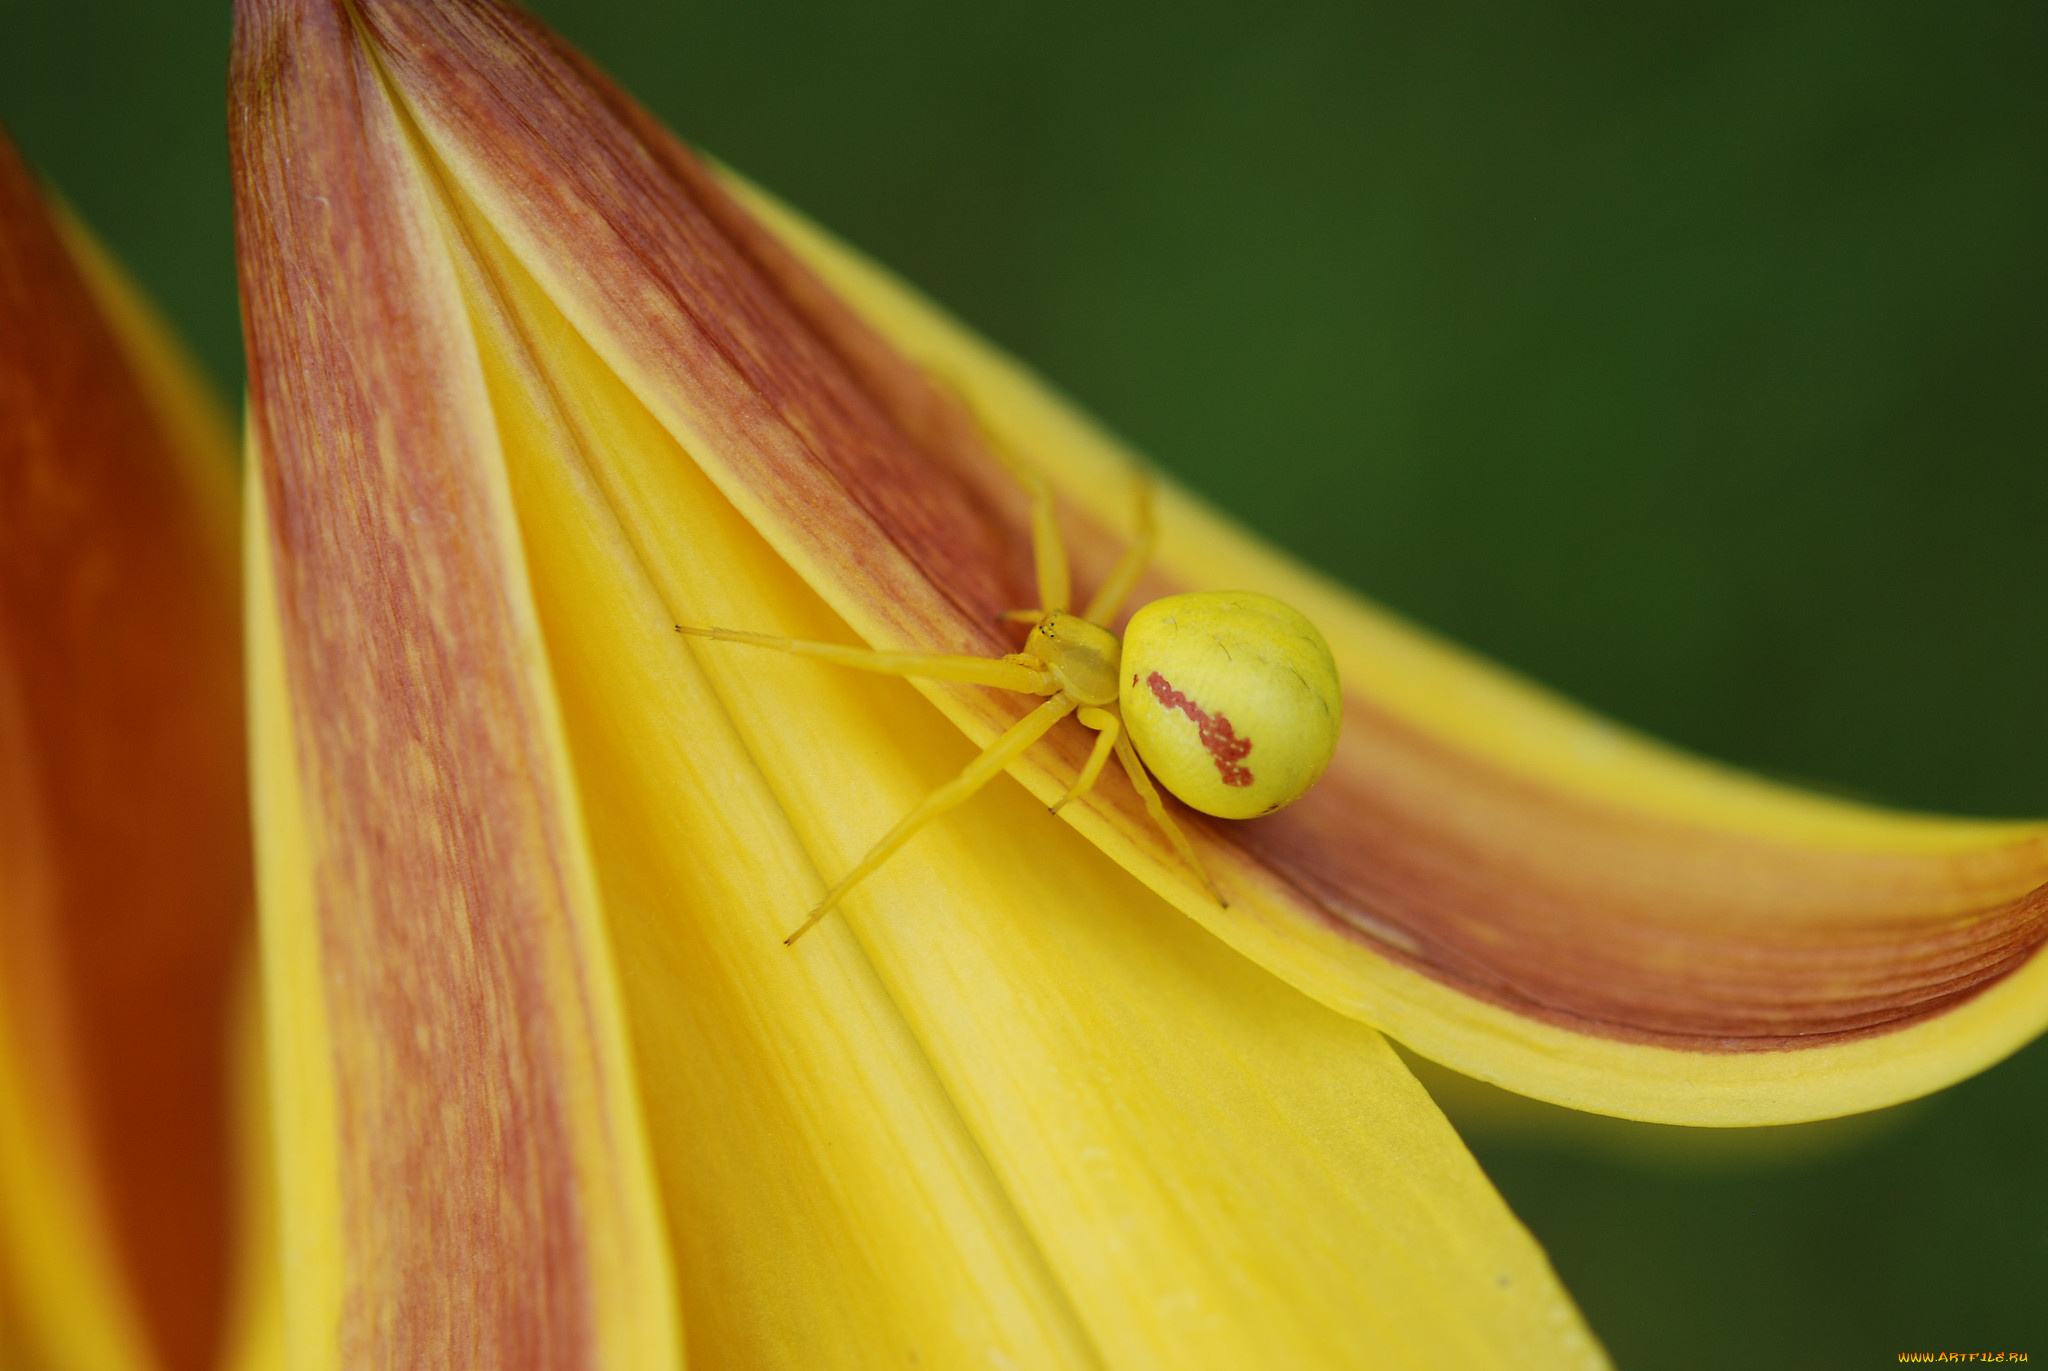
124,881
1538,898
1012,1106
459,1139
1185,1162
1512,887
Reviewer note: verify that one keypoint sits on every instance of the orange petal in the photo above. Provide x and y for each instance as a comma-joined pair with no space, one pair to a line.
124,860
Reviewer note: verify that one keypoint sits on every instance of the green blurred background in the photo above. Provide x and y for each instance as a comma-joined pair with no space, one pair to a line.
1691,359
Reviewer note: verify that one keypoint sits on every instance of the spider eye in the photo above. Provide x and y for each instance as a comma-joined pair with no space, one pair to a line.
1231,698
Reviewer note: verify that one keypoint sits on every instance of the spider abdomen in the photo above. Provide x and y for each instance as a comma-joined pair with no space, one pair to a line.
1231,698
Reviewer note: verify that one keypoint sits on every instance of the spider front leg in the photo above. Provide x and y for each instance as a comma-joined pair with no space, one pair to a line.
1017,672
1051,555
1048,549
993,761
1129,567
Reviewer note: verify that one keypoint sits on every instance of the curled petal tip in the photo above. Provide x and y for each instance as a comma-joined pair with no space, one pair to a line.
1528,893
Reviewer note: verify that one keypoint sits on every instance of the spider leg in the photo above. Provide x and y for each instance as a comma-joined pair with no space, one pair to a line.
1108,726
1130,566
1048,550
983,769
1128,755
1002,672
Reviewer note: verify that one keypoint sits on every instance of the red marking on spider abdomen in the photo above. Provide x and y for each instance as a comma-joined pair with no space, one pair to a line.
1217,735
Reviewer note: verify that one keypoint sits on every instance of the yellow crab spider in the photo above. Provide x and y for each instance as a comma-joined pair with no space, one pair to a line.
1229,697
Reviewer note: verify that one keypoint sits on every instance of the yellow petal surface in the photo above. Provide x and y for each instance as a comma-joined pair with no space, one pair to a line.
460,1156
1029,1113
1538,898
1014,1110
1509,885
124,876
